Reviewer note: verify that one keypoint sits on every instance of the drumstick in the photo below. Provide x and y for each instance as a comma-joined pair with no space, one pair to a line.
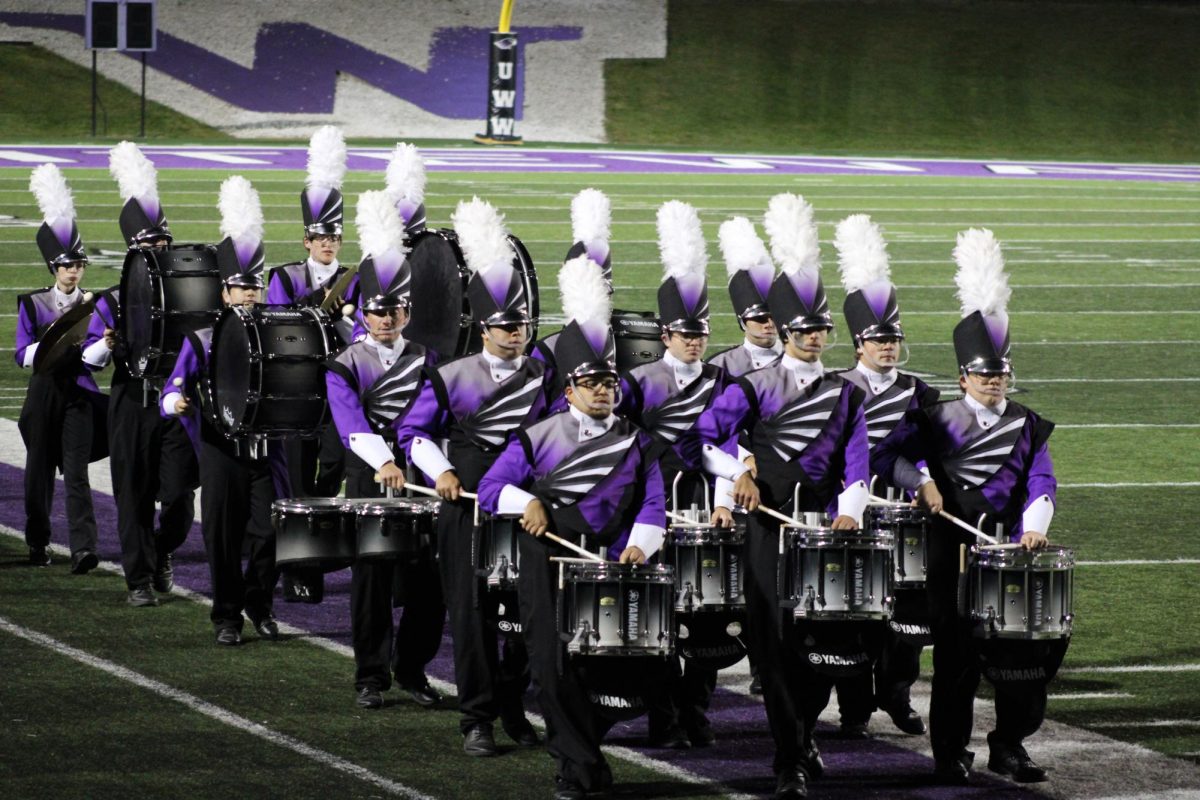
682,518
472,496
770,512
948,516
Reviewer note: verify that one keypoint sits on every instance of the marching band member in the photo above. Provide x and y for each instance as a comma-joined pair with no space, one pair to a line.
750,274
370,385
150,457
987,456
806,430
237,482
586,472
61,419
476,402
873,318
665,398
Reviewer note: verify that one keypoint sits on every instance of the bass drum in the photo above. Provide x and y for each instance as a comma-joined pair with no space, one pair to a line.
266,374
441,317
165,295
638,337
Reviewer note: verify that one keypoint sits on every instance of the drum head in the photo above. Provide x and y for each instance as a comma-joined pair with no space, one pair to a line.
229,368
638,337
439,318
523,263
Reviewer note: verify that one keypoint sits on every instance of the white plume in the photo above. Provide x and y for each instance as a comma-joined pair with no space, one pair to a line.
135,174
53,195
406,174
982,284
862,252
326,158
241,211
481,234
793,230
379,226
741,246
584,293
680,240
591,216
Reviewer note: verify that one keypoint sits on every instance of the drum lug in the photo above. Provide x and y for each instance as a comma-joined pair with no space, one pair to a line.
503,571
579,642
684,598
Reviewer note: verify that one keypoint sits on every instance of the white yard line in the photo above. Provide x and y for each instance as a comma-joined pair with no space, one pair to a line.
1133,485
1151,723
1139,562
215,712
1089,696
1132,669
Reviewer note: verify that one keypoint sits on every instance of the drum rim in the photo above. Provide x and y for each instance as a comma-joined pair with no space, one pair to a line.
1050,558
310,504
648,573
734,536
380,506
863,539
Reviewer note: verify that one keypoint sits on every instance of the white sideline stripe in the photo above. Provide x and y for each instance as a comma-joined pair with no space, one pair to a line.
1088,696
1129,425
1174,794
1134,668
214,712
662,767
1138,562
1150,723
1159,485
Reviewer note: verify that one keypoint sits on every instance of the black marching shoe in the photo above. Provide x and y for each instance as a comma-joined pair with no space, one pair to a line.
369,697
422,693
812,763
1012,761
791,784
954,771
673,738
479,741
522,732
164,575
39,557
701,736
755,683
267,628
854,730
229,636
142,597
905,719
568,790
83,562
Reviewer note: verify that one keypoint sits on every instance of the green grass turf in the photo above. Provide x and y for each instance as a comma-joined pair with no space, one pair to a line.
73,731
1032,80
1080,255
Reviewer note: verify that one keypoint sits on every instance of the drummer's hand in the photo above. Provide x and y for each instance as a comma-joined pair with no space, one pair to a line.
182,406
633,555
745,492
391,476
722,517
448,485
929,496
844,523
110,338
1032,540
750,462
535,520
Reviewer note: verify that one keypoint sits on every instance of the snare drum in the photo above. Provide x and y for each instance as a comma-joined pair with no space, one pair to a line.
497,554
267,372
1013,593
836,575
394,527
313,532
909,527
708,564
608,609
165,295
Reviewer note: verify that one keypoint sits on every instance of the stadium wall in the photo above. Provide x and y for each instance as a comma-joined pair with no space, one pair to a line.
410,68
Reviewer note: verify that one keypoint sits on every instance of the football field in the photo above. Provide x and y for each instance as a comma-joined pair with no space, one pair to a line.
100,700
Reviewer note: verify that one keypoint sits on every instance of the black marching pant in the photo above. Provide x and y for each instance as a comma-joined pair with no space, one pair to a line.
488,687
235,505
57,425
573,728
151,458
887,686
381,650
793,693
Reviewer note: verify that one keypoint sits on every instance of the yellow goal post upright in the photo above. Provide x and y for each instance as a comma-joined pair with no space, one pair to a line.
502,83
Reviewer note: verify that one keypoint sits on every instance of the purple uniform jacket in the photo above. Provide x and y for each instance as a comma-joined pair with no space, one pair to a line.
653,400
191,365
597,489
736,361
462,403
36,311
994,472
289,285
815,437
366,398
104,316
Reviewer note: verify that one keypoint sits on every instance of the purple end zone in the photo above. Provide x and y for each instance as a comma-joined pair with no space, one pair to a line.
740,759
600,161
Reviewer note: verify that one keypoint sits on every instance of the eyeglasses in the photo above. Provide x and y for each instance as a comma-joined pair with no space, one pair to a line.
325,238
591,385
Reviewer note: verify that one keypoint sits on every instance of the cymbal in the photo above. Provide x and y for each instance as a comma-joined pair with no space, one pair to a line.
334,298
65,333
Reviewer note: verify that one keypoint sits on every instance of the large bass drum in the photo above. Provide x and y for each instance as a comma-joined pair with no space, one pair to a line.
266,375
638,338
441,317
165,295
